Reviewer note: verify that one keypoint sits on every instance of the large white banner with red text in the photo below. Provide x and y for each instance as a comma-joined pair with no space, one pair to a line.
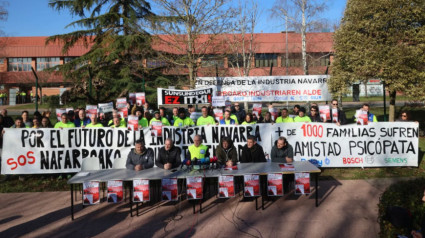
268,88
382,144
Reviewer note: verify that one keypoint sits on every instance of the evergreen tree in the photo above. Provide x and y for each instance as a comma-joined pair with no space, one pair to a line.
117,43
381,39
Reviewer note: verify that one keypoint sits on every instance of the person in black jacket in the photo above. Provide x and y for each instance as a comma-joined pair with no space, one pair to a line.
226,152
342,120
314,114
168,156
252,152
140,157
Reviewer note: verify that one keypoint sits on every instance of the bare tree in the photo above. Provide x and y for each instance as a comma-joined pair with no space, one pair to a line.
302,16
190,30
242,41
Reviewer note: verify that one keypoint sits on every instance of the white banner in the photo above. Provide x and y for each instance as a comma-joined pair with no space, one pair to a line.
268,88
382,144
39,151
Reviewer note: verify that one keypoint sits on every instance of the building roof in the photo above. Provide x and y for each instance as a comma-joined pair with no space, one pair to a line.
263,43
35,46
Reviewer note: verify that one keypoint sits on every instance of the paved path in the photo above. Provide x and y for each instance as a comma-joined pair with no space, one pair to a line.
348,208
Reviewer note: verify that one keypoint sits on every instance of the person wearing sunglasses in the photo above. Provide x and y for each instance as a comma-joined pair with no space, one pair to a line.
342,120
314,114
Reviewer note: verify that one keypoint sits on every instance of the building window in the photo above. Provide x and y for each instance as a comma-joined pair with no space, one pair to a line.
320,59
265,60
68,59
45,63
294,60
19,64
235,60
154,63
212,61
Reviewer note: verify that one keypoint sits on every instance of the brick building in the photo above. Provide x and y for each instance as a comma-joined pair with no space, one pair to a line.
19,54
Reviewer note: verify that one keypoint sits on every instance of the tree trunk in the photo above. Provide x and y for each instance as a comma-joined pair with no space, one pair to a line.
303,38
392,105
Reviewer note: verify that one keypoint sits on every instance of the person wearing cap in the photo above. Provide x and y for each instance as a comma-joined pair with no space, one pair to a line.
197,150
301,116
205,119
183,120
143,122
157,117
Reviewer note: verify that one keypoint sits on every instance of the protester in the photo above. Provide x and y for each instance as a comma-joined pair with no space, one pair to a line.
183,120
71,115
19,123
205,119
47,114
233,116
405,116
117,123
163,114
226,152
116,114
157,117
26,119
248,120
301,116
342,120
147,108
168,156
143,122
197,150
94,122
175,115
252,152
282,151
45,123
296,109
370,117
267,118
239,113
314,114
7,120
227,120
284,118
1,131
140,157
82,120
36,123
64,123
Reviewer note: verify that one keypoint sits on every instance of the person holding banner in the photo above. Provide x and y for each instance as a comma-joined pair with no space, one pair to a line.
301,116
248,120
252,152
227,120
19,123
157,117
226,152
183,120
168,156
205,119
314,114
117,123
284,118
140,157
64,123
282,151
45,123
370,117
94,123
197,150
82,120
337,115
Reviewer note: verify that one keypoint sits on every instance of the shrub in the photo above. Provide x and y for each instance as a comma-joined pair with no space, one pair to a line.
406,194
